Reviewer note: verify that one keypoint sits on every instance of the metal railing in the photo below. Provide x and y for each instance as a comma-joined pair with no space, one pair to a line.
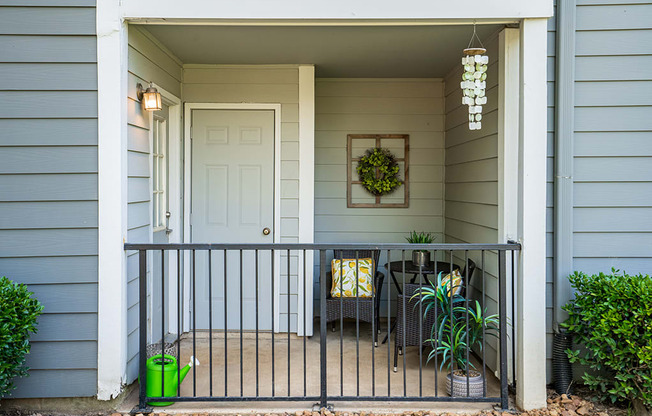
312,383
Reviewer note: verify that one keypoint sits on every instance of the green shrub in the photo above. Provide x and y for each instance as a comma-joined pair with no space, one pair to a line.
18,314
612,317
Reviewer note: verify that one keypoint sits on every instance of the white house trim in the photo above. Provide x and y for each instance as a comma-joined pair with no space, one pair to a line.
306,193
336,9
319,22
508,103
531,286
112,199
174,194
277,190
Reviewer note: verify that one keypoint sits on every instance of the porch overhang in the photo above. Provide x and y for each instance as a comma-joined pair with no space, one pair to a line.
440,10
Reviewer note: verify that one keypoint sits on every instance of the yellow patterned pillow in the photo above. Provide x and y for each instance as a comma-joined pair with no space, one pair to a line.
457,282
348,284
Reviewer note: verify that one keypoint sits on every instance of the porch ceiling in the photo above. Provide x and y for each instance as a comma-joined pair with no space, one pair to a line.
337,51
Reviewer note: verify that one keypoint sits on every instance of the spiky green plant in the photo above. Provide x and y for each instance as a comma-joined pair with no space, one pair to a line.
450,335
420,237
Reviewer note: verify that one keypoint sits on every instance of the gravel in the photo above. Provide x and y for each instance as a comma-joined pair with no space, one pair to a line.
558,405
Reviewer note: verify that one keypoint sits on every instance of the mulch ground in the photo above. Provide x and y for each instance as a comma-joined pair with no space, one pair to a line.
582,404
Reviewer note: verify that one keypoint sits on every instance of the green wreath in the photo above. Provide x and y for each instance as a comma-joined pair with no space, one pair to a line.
378,171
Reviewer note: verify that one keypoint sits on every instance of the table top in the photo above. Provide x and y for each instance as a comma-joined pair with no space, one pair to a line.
442,266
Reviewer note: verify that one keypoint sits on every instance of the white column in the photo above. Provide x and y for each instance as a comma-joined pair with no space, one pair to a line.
508,133
508,152
112,200
531,309
306,189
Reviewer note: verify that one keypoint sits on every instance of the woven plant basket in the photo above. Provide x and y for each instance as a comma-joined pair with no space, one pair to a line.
459,386
170,348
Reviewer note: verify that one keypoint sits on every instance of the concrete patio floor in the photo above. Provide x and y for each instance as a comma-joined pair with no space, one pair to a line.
227,380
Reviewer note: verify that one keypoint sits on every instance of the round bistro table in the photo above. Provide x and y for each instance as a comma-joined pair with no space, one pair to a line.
407,267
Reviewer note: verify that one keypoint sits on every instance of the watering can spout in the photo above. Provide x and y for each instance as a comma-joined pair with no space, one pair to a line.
184,370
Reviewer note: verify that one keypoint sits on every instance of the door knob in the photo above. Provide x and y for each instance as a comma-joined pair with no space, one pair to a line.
266,231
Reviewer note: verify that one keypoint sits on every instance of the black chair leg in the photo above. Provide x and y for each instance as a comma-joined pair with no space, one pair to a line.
377,332
333,326
395,357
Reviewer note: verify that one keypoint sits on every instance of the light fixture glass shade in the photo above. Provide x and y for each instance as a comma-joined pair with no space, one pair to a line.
152,99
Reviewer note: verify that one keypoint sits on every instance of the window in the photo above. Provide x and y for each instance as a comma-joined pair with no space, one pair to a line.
159,174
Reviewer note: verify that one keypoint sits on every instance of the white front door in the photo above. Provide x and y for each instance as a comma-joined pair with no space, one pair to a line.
232,202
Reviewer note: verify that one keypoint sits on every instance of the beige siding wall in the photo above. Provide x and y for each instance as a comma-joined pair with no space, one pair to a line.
471,171
148,61
274,84
378,106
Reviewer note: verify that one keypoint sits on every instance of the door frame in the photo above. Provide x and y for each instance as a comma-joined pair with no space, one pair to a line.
173,190
276,108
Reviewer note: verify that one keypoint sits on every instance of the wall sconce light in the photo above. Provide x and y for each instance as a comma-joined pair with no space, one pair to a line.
150,97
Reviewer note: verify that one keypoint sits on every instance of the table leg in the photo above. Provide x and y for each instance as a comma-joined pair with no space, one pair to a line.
391,329
400,292
398,287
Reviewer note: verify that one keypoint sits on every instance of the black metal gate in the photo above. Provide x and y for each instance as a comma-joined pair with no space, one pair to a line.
403,309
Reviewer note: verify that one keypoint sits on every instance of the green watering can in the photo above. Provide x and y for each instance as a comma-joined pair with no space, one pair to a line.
164,368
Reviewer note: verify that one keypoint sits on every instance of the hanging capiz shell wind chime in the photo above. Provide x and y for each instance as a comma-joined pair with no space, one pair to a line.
474,81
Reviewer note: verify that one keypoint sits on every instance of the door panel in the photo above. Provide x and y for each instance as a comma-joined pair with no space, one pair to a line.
232,202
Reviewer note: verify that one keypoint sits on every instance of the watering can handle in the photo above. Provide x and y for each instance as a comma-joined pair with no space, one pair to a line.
193,361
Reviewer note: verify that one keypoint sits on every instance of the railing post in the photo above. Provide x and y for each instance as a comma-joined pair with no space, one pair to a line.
142,327
322,329
502,299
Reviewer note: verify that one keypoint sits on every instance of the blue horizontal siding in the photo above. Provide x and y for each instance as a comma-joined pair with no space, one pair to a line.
48,185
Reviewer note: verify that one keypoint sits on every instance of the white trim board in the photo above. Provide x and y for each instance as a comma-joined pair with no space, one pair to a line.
508,104
343,10
112,199
277,191
306,195
385,22
531,304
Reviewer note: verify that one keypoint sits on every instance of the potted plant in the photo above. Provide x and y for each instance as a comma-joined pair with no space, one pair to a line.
453,339
420,258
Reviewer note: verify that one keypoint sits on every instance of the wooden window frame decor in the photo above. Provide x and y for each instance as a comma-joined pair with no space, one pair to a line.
350,171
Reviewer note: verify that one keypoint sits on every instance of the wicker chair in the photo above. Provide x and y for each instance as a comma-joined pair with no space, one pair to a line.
343,308
413,316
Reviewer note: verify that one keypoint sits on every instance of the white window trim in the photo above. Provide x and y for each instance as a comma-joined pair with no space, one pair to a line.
156,222
189,107
174,195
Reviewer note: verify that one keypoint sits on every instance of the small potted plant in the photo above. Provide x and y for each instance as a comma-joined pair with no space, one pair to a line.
453,339
420,258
